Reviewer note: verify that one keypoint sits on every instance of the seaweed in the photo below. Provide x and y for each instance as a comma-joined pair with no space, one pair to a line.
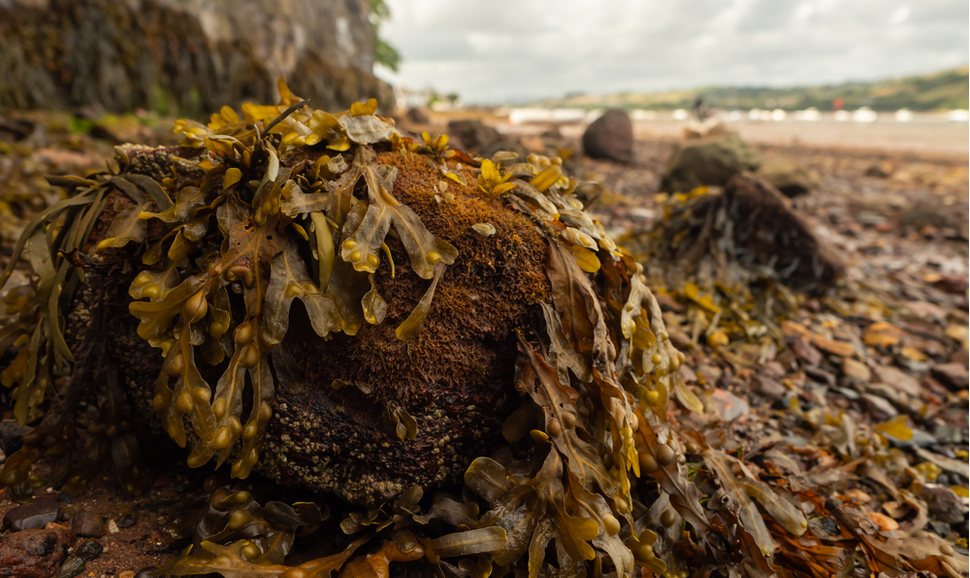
283,203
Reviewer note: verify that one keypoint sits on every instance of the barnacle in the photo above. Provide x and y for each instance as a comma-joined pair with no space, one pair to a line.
519,353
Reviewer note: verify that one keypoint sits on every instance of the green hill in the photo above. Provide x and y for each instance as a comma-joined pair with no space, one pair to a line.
941,91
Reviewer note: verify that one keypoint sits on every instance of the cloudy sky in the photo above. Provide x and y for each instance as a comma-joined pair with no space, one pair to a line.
516,50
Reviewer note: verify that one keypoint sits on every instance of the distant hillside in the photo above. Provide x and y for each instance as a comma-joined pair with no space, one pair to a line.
942,91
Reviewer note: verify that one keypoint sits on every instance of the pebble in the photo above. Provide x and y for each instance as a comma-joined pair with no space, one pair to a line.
856,369
89,550
841,348
35,553
145,572
819,375
879,407
35,514
944,505
88,524
126,520
726,405
806,350
897,380
953,375
769,387
71,568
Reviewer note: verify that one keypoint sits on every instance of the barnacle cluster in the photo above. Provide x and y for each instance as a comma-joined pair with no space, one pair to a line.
449,307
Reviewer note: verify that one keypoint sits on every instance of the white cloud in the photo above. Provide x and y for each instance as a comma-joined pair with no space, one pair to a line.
900,15
525,49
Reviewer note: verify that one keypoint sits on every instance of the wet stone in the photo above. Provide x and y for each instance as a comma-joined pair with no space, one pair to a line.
944,504
126,520
89,550
71,568
820,375
879,408
88,524
953,375
145,572
769,387
897,380
36,553
856,369
35,514
806,350
726,405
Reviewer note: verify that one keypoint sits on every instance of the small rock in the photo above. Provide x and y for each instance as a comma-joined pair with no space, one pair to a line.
819,375
668,303
473,135
709,373
856,369
879,408
791,180
952,375
35,553
126,520
805,350
680,339
64,498
127,574
417,116
897,380
610,137
89,550
835,347
881,170
774,369
926,310
88,524
725,405
146,572
769,387
71,568
35,514
944,505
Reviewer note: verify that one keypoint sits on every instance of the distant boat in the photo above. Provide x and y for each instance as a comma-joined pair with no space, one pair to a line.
681,114
958,115
755,114
842,115
778,115
864,114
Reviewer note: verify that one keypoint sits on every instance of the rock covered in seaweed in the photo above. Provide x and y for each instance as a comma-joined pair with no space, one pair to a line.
356,311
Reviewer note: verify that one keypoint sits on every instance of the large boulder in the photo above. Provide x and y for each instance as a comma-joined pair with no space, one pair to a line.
610,137
743,234
708,161
473,135
192,55
789,178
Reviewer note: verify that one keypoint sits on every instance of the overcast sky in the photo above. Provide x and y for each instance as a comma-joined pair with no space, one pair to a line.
515,50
